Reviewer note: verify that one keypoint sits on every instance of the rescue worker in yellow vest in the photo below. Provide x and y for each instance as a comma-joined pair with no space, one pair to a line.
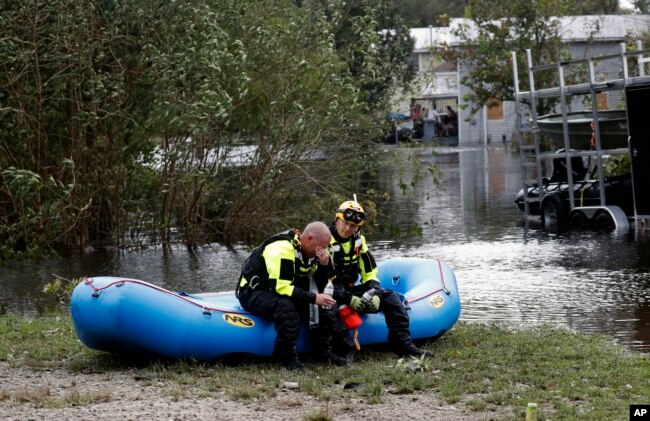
275,284
356,273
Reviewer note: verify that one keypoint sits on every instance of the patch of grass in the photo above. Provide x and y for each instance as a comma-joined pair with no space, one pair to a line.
41,397
244,392
484,368
177,394
292,403
318,416
39,343
312,386
37,396
77,398
558,369
322,415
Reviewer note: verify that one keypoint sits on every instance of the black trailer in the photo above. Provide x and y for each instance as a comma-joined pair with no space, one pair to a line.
580,193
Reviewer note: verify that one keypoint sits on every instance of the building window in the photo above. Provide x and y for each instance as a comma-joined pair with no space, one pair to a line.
495,110
414,61
427,63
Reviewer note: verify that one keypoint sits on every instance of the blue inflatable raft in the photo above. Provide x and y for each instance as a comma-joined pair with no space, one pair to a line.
130,316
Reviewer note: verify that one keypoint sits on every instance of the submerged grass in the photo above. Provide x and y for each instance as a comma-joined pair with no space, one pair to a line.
485,368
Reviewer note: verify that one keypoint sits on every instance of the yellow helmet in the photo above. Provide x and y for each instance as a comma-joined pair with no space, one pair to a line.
352,212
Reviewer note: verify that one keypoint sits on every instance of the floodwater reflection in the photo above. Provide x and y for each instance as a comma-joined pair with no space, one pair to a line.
507,269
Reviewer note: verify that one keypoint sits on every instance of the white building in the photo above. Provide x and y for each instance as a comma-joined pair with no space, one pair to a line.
586,36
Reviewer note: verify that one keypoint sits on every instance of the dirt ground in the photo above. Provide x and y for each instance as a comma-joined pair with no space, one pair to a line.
28,395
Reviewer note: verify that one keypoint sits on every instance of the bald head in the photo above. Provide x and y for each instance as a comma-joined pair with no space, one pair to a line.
315,235
318,230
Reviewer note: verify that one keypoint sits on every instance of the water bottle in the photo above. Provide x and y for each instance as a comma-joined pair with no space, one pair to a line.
367,296
329,290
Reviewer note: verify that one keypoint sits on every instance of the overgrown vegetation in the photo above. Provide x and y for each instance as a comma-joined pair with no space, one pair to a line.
138,123
484,368
144,123
61,289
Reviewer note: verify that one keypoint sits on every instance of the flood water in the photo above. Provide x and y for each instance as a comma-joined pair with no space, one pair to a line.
508,271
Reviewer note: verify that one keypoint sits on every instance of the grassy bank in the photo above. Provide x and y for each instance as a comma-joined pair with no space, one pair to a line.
483,368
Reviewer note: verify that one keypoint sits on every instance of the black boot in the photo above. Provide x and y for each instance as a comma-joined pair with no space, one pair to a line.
291,362
344,347
322,339
410,349
285,352
330,357
349,356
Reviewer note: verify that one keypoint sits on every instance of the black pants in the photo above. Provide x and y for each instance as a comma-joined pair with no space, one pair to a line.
397,319
342,343
286,316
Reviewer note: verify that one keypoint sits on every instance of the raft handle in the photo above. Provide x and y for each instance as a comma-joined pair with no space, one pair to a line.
95,293
396,279
207,312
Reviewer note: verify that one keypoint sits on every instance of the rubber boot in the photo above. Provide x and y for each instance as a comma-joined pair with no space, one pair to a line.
402,344
287,355
322,340
411,350
292,363
329,357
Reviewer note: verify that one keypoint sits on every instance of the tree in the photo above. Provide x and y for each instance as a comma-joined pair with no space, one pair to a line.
198,72
374,41
422,13
641,6
304,112
194,121
64,114
594,7
497,29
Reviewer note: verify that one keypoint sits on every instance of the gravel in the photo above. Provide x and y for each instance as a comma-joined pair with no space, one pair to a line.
27,394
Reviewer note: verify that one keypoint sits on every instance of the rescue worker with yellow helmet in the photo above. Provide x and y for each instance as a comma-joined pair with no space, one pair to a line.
275,284
356,273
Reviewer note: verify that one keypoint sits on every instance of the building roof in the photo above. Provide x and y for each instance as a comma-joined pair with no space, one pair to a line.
603,28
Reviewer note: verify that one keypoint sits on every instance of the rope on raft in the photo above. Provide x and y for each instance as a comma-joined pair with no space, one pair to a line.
173,294
444,286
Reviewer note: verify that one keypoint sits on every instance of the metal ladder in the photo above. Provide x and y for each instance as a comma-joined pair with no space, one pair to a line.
529,144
